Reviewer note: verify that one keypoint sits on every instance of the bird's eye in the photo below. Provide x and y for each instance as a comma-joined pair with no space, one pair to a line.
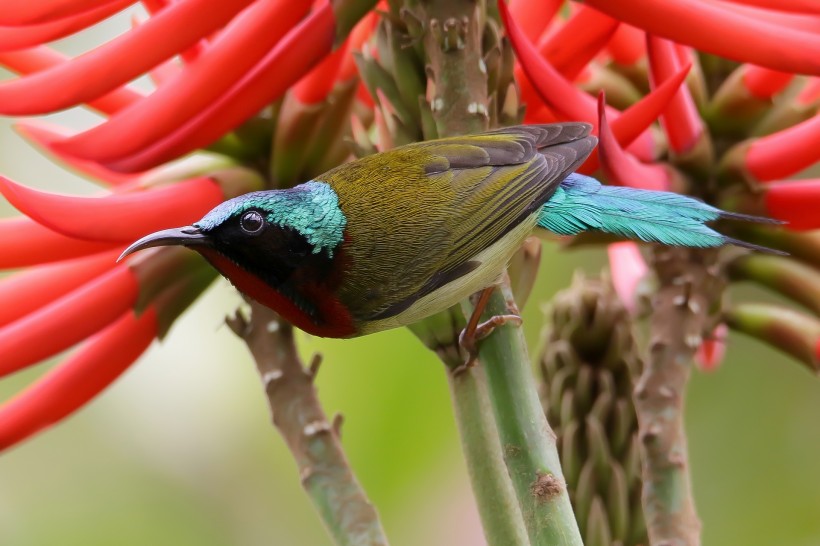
252,222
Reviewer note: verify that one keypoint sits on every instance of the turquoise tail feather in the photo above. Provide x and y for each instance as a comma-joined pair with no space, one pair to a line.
581,203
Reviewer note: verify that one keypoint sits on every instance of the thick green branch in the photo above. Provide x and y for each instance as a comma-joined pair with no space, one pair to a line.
527,441
314,441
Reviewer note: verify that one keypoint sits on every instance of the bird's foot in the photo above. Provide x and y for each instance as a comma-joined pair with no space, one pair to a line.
475,331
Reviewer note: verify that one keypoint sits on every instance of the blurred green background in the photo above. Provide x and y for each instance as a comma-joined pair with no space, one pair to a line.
181,450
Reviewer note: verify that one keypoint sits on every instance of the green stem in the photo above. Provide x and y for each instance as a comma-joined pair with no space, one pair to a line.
528,442
498,508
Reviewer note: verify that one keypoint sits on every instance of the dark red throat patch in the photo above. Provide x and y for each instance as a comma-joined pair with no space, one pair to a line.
335,320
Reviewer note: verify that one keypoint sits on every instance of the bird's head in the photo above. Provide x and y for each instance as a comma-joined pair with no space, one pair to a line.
266,240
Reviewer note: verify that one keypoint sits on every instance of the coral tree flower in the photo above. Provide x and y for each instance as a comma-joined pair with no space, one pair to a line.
252,79
216,65
754,172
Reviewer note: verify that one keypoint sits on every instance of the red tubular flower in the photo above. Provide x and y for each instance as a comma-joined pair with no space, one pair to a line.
628,268
556,92
99,71
796,6
784,153
68,387
620,167
794,201
233,54
360,34
317,84
43,11
628,45
577,42
43,135
13,38
27,291
23,242
292,57
637,118
535,15
720,29
681,120
710,353
41,58
810,94
67,320
763,82
116,218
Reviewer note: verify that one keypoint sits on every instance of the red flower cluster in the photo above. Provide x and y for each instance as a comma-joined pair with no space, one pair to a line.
215,65
603,45
225,68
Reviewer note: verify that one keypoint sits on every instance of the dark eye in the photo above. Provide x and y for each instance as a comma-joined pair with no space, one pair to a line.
252,222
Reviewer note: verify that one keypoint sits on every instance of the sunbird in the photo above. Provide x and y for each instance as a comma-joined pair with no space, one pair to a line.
394,237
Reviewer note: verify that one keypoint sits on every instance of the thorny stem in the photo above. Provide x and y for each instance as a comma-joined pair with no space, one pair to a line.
313,440
683,313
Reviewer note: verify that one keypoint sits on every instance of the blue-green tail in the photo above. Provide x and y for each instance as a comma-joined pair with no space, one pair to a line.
581,203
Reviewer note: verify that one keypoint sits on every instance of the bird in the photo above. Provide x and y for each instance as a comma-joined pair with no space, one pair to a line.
392,238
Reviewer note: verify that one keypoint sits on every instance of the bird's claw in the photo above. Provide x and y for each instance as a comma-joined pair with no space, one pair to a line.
468,340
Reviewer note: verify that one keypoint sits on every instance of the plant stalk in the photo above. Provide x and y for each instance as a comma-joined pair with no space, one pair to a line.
683,313
313,440
527,441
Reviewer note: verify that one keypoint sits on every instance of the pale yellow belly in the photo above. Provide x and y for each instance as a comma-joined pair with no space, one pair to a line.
493,261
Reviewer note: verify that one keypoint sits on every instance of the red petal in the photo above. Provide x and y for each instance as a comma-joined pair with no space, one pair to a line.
534,16
710,353
188,55
628,45
233,55
721,30
620,167
41,58
358,36
316,84
80,378
681,120
557,93
764,83
636,119
117,218
796,202
810,94
786,152
12,38
43,135
797,6
68,320
23,243
13,13
101,70
29,290
627,267
773,15
578,41
292,57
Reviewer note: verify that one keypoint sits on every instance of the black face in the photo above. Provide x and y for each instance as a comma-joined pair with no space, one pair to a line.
280,256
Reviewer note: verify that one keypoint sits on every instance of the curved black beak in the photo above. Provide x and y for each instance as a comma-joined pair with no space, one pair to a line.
184,236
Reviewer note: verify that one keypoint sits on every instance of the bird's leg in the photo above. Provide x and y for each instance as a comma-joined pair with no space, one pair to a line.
476,331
